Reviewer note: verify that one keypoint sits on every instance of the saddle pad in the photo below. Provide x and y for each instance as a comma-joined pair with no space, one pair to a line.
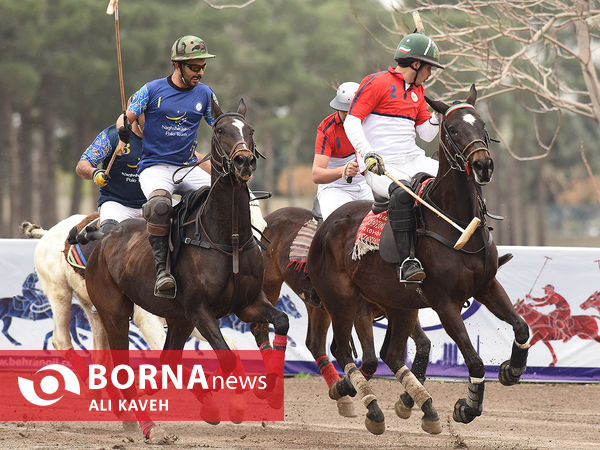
368,234
301,245
78,254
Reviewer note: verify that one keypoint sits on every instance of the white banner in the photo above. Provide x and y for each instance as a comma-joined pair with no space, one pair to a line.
558,288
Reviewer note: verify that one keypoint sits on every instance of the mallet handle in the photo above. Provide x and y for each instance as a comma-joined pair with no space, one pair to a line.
465,233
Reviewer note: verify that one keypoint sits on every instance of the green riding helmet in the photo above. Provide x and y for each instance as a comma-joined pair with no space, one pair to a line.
189,47
420,47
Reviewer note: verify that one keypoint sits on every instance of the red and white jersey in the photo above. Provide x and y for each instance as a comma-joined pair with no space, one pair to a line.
390,110
333,142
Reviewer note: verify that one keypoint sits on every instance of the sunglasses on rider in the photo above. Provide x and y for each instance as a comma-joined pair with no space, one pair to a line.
195,67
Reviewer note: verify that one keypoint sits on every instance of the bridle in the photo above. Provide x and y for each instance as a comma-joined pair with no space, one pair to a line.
224,166
459,158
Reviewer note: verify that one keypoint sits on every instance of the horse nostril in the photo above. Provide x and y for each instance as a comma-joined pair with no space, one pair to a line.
239,160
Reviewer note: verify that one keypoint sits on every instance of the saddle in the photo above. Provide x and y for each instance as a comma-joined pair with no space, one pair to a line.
76,253
190,203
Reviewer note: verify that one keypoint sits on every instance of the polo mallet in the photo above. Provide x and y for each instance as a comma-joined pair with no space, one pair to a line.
113,8
465,234
538,275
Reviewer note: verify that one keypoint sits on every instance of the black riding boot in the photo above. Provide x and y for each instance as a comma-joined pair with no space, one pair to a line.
165,283
403,224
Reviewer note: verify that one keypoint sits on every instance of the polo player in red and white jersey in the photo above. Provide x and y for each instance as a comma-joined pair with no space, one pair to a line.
335,168
387,112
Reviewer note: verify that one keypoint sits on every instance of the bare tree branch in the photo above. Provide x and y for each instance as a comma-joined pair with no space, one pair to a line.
590,173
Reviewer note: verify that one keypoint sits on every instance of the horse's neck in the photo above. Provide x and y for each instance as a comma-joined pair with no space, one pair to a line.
454,194
227,203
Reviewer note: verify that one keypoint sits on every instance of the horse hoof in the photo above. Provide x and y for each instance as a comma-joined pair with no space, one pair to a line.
402,410
505,375
130,426
333,392
375,427
213,422
462,412
431,426
346,407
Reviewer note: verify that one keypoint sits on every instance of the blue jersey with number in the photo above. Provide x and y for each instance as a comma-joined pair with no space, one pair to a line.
172,118
123,186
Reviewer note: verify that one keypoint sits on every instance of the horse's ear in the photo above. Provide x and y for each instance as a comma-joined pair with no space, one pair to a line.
242,108
437,105
215,109
472,95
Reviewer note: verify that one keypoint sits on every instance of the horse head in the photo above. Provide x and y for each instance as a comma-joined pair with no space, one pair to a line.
464,139
232,143
593,301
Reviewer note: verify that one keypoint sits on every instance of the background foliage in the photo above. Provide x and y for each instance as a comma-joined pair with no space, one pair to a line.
60,88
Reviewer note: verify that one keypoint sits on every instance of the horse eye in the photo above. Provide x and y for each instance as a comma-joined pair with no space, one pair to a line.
219,130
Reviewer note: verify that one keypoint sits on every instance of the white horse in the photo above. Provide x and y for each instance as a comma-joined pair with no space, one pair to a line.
60,282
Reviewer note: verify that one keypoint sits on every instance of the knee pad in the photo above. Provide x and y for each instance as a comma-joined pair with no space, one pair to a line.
157,211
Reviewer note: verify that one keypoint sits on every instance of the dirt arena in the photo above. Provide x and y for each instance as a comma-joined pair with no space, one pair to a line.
526,416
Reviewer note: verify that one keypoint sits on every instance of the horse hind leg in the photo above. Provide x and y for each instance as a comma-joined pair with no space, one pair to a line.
405,404
393,352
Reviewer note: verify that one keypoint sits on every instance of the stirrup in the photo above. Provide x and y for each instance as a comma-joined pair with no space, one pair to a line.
165,293
415,278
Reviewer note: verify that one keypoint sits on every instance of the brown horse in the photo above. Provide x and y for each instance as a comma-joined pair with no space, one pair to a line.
222,277
282,227
452,276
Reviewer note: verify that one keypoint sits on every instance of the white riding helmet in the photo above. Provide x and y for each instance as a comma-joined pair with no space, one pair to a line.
344,96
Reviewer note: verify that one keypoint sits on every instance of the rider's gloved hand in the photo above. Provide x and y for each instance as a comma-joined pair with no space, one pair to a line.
125,133
374,163
100,177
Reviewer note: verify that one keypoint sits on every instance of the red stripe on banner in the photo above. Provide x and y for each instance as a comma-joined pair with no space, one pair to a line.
140,385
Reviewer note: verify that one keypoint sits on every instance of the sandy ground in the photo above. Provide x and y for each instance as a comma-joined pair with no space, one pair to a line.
530,416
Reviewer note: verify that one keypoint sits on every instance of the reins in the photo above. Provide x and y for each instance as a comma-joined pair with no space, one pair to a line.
223,168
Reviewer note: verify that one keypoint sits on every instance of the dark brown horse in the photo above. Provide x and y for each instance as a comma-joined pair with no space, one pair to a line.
213,280
282,227
452,276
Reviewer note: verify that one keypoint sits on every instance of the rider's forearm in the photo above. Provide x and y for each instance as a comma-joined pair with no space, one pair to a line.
321,175
356,136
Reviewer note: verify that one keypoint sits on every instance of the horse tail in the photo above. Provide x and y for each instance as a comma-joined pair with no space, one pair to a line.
31,230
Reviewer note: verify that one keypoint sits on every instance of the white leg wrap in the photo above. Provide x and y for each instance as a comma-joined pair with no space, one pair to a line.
476,380
360,384
524,346
414,388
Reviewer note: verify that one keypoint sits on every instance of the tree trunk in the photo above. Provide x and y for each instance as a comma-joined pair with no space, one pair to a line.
269,172
48,213
15,175
5,116
26,151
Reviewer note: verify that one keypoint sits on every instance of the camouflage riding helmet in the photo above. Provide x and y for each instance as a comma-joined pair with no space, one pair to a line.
189,47
419,47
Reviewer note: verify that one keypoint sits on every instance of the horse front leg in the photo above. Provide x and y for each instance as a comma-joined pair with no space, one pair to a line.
465,409
419,369
261,311
400,324
316,341
496,300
